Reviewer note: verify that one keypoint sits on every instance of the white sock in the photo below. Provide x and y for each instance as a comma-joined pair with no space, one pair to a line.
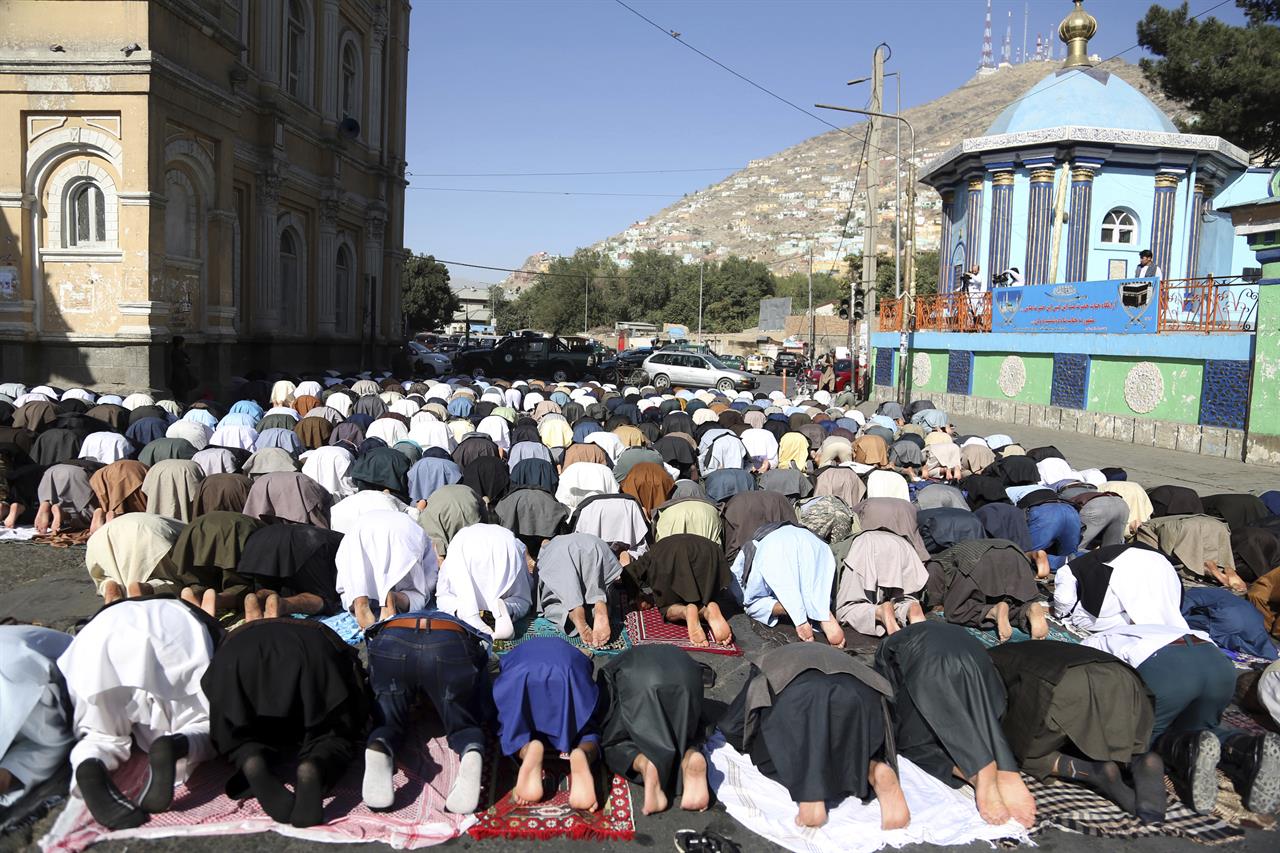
464,796
379,791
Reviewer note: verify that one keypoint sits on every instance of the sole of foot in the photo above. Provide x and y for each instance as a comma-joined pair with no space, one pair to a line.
378,790
106,803
696,796
528,787
582,782
1264,793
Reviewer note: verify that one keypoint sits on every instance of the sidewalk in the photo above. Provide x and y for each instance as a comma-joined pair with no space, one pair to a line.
1150,466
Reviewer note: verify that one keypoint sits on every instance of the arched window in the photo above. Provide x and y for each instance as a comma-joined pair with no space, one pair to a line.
344,269
295,49
290,246
1120,227
179,217
349,103
86,215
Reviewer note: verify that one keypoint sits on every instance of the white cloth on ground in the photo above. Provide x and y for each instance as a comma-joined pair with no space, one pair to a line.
939,814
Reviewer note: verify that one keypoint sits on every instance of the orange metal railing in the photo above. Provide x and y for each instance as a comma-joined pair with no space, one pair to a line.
1207,305
1200,305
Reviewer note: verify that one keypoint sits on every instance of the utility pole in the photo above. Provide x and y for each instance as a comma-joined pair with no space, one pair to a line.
859,337
701,265
586,303
813,352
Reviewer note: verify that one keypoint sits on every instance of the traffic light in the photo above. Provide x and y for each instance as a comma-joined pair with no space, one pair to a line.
859,306
844,309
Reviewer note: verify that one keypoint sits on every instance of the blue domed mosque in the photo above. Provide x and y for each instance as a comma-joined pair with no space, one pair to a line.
1083,172
1070,185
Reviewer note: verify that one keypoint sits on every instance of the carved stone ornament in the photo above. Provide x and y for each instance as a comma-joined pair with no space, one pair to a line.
921,369
1013,376
1143,387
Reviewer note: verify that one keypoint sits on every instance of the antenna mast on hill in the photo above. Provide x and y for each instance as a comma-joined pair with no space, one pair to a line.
988,56
1026,12
1005,58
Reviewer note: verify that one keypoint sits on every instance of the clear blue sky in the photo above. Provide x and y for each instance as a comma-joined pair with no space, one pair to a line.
585,85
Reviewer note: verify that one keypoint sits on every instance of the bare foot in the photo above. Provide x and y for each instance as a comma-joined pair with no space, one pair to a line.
1000,613
389,607
987,793
1041,561
271,609
915,613
44,516
99,519
13,512
1038,618
811,814
252,607
805,632
363,612
1021,804
56,525
894,813
655,799
886,617
188,595
111,592
833,632
602,630
528,787
582,782
697,636
209,603
719,625
137,590
696,796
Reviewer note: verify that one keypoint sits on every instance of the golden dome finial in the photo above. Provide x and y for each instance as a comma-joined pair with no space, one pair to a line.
1075,31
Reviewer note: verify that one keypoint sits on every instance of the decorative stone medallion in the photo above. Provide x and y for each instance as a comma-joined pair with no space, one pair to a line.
921,369
1143,387
1013,375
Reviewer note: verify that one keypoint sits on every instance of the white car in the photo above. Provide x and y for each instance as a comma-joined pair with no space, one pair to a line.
694,370
426,362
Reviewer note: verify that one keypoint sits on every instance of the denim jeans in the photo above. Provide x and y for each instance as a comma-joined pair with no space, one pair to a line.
446,667
1055,528
1192,685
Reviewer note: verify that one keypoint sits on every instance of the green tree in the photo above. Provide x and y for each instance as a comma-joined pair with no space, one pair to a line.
426,297
826,288
733,290
1228,76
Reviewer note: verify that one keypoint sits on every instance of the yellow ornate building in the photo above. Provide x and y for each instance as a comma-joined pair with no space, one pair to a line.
228,171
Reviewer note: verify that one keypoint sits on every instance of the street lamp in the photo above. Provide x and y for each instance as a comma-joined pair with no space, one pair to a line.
909,302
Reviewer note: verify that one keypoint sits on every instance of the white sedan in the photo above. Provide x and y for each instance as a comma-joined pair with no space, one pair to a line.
427,362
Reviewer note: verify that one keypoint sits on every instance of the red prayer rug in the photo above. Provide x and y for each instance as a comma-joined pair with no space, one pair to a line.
553,817
647,627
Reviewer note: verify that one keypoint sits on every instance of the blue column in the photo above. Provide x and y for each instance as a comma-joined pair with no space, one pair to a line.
1200,191
1078,229
973,225
1001,220
1039,226
944,245
1162,210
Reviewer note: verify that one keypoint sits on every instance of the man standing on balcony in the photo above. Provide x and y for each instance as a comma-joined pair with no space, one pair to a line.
1147,266
973,285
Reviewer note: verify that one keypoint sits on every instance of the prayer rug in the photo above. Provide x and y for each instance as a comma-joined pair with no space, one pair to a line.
989,638
1236,718
1245,661
553,817
425,770
1231,808
939,814
1074,808
64,540
541,627
647,627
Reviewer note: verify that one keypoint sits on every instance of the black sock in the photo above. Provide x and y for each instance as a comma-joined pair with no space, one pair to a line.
1102,776
271,793
164,756
106,803
1148,785
308,808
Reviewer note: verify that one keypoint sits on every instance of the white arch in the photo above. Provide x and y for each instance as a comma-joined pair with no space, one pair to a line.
198,162
69,173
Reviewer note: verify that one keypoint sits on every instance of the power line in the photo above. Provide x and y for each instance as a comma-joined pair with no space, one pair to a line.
569,174
543,192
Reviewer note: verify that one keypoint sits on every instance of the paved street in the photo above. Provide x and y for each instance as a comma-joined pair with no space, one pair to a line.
49,584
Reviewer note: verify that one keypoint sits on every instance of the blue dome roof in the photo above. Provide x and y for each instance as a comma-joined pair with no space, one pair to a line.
1082,98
